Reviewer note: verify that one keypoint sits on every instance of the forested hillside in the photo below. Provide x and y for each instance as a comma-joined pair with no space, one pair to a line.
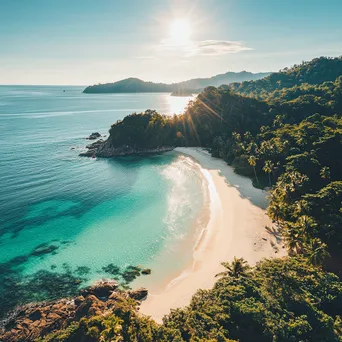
290,141
317,71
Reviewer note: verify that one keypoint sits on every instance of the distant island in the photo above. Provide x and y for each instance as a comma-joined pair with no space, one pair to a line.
135,85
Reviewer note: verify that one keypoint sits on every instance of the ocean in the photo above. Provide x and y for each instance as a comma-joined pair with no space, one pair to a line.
64,219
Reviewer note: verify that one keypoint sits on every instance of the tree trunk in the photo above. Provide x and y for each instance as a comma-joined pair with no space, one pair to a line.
256,177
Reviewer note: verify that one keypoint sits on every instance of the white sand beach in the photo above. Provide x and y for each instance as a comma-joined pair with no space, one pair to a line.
236,227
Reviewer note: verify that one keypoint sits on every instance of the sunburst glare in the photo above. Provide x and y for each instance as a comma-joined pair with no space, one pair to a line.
180,32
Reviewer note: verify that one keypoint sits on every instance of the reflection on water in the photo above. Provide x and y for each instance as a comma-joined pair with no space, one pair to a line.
177,104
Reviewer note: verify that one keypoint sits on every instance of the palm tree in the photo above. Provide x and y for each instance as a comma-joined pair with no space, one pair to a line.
268,168
238,268
252,162
307,223
275,211
293,240
301,207
317,252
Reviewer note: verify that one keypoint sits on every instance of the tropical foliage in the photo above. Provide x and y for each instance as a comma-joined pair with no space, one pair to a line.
280,300
316,71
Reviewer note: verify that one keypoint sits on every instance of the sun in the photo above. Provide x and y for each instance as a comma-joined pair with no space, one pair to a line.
180,32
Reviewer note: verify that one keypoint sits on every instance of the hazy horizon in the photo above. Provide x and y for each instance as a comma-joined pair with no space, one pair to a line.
85,85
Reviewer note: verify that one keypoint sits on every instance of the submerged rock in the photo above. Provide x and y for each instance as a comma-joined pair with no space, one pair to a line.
131,273
44,249
111,269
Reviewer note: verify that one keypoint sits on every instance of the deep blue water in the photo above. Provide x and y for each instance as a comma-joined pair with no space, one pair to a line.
125,211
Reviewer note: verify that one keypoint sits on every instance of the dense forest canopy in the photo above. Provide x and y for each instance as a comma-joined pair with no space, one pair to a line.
317,71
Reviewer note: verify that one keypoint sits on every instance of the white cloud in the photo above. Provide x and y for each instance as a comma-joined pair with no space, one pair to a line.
202,48
218,47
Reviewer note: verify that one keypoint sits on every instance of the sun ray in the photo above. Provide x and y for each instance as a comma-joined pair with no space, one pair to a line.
180,32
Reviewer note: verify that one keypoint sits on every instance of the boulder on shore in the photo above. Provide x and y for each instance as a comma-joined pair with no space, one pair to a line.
138,294
102,289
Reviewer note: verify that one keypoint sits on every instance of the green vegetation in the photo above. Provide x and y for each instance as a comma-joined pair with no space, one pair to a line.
145,130
238,268
129,85
278,300
317,71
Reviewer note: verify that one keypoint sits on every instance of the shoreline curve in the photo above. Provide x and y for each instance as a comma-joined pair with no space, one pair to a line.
236,227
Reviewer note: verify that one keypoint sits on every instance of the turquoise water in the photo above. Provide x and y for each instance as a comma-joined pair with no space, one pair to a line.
125,211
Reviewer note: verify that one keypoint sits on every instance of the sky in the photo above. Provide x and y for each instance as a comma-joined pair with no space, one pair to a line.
81,42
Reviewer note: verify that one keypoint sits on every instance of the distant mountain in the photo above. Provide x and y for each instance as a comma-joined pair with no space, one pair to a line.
135,85
227,78
129,85
314,72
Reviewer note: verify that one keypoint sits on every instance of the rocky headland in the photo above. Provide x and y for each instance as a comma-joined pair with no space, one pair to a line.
35,321
104,149
137,134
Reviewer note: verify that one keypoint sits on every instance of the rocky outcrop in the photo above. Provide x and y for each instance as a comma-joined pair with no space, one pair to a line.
104,149
94,136
34,321
138,294
95,144
146,271
101,289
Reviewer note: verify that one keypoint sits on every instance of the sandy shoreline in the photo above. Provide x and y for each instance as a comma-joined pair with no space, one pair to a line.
236,228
